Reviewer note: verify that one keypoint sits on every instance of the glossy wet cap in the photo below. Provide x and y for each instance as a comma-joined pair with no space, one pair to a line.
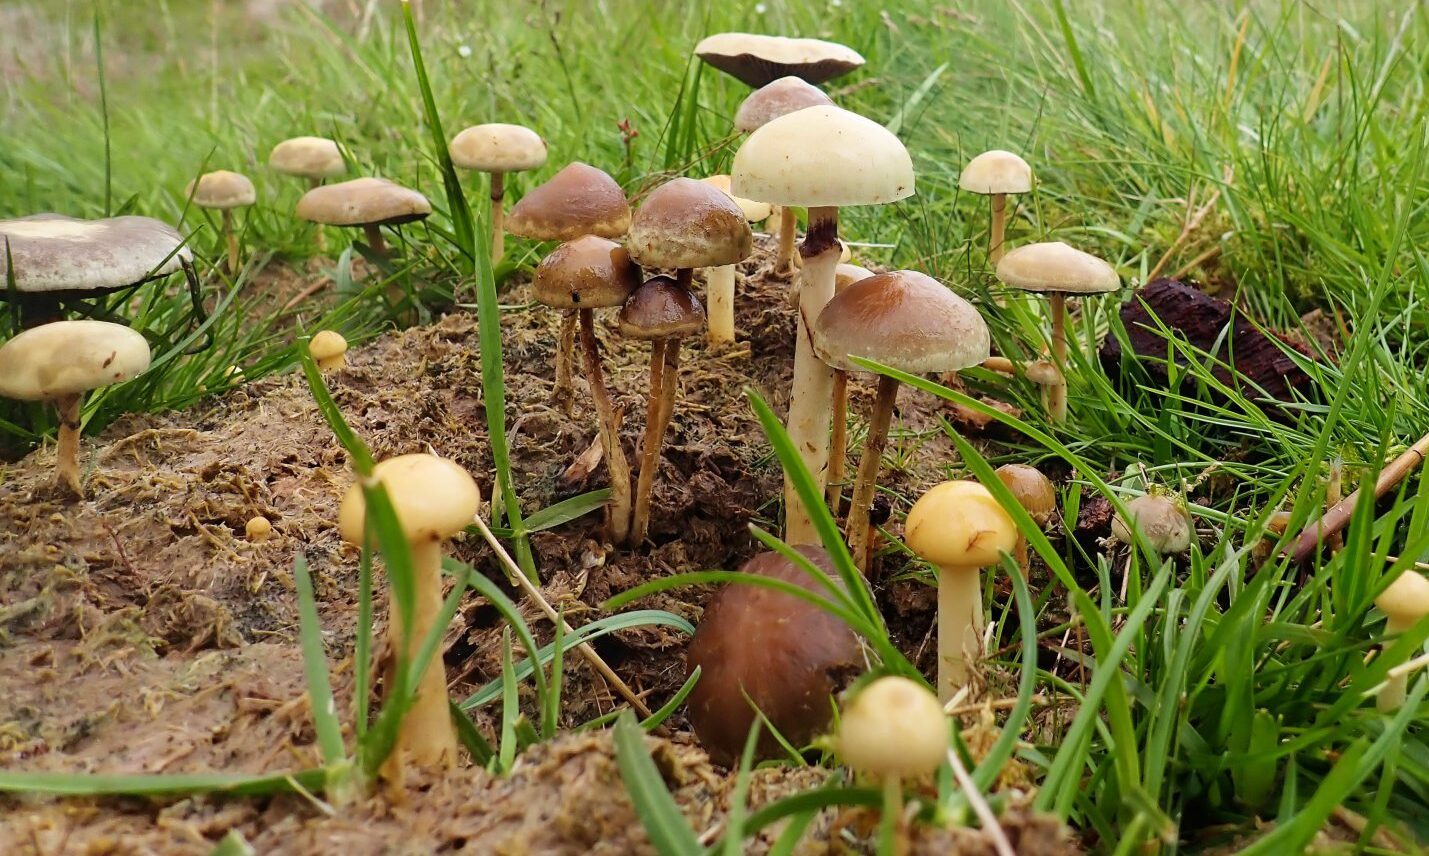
587,273
753,211
434,499
52,252
578,200
894,727
958,524
903,319
758,60
498,147
776,99
1032,490
363,202
1407,598
1055,267
1163,520
308,157
685,223
787,655
70,357
996,171
661,309
822,157
222,189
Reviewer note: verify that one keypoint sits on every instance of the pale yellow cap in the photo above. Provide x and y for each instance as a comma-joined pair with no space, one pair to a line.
68,358
958,524
434,498
894,727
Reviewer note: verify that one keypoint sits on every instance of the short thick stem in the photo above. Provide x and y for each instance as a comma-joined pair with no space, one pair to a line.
650,445
617,511
859,537
67,446
719,303
427,738
1057,392
838,443
788,231
997,233
498,217
1391,695
231,236
565,361
959,627
375,241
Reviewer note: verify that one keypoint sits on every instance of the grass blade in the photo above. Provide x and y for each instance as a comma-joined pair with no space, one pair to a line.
659,814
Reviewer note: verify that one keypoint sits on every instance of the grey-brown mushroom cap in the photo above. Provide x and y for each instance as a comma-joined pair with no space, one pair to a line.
996,171
363,202
685,223
1053,266
222,189
661,309
590,272
68,358
308,157
578,200
498,147
902,319
53,253
776,99
758,60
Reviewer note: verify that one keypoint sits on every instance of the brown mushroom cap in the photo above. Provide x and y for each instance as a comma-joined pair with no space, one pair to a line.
308,157
363,202
904,319
758,60
685,223
53,253
787,655
588,273
661,309
578,200
222,189
769,102
1032,490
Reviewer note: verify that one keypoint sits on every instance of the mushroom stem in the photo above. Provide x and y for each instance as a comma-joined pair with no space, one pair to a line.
565,362
617,512
997,232
808,420
859,537
959,627
669,387
893,813
320,234
788,230
1057,391
498,217
426,736
1391,695
838,445
232,237
375,242
719,302
67,447
650,448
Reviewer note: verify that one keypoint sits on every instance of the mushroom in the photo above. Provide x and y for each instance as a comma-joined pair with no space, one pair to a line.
367,202
498,148
312,158
1404,604
1035,493
719,280
819,158
893,730
224,191
1057,270
996,173
258,528
960,528
760,648
434,499
61,361
758,60
844,276
906,320
1161,520
664,312
579,277
329,348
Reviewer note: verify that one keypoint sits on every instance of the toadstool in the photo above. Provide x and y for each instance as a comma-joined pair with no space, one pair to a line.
329,348
367,202
893,730
996,173
258,528
1161,520
498,148
311,158
224,191
1035,493
844,276
1404,604
758,60
719,280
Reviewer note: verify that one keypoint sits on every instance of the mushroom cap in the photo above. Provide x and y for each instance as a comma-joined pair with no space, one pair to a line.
258,528
1033,491
685,223
822,157
1407,598
775,99
52,252
758,60
222,189
327,344
1053,266
787,655
588,273
578,200
894,727
661,309
434,498
498,147
363,202
753,211
308,157
958,524
68,358
847,274
1161,519
996,171
904,319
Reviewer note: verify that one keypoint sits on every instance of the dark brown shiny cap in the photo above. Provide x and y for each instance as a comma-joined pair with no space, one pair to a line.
758,60
661,309
578,200
903,319
587,273
784,95
685,223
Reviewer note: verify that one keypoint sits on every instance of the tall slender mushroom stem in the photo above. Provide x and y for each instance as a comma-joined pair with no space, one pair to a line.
67,445
232,237
788,230
838,443
427,734
498,217
960,627
1057,392
617,512
669,388
375,241
997,232
857,530
719,300
565,362
654,434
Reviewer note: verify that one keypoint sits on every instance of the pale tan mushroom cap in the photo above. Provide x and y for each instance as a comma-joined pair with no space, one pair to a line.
758,60
1055,267
958,524
578,200
222,189
894,727
68,358
327,344
1164,521
903,319
685,223
52,252
434,498
779,98
996,171
753,211
1407,598
498,147
363,202
823,157
308,157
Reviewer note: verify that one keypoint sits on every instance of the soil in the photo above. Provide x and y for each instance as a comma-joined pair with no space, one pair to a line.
141,631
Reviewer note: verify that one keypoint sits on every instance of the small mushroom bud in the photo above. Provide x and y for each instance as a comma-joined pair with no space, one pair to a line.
258,528
1404,604
1034,492
1161,519
329,348
893,728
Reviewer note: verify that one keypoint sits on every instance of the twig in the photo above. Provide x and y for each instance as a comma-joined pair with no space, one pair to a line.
980,807
1193,219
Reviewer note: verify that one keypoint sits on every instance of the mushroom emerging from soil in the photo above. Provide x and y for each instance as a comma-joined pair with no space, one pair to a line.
719,281
1161,519
902,319
996,173
1057,270
434,499
892,731
758,60
329,348
820,158
367,202
844,276
1404,604
579,277
258,528
59,363
1035,493
224,191
311,158
664,312
960,528
498,148
786,655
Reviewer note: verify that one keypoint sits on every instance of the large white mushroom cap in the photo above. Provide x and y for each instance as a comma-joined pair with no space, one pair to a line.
822,157
52,252
68,358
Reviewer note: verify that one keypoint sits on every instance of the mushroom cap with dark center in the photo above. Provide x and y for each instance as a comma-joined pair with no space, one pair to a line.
685,223
1053,266
758,60
822,157
68,358
787,655
996,171
753,211
222,189
54,253
578,200
903,319
661,309
363,202
498,147
1032,490
308,157
588,273
769,102
434,499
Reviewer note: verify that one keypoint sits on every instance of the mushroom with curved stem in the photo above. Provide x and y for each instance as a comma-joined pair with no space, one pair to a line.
959,527
581,276
1035,493
758,60
61,361
997,174
911,322
329,348
224,191
498,148
1404,604
719,280
819,158
370,203
313,159
434,499
1160,519
844,276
